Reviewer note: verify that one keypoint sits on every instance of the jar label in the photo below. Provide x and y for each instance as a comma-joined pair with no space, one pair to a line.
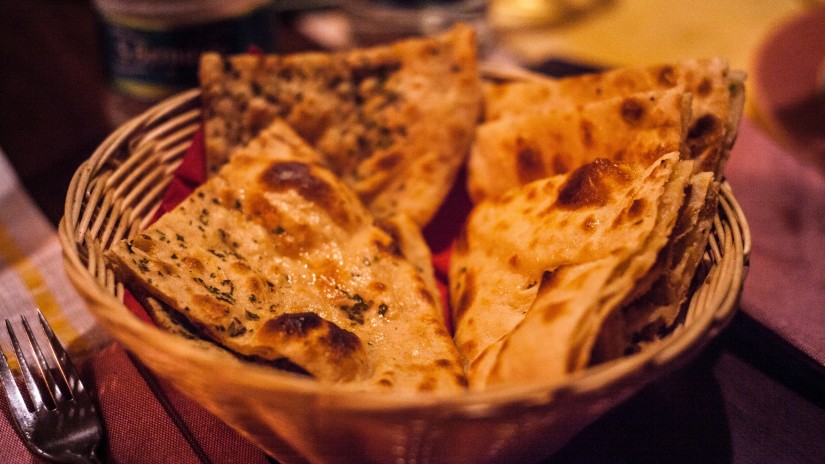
150,62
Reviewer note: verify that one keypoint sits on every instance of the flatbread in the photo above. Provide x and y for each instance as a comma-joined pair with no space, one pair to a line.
278,141
654,313
395,122
529,126
717,99
571,249
537,143
278,261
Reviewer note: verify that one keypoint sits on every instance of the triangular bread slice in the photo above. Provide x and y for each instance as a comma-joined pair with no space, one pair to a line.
654,313
537,143
718,98
395,122
575,248
277,260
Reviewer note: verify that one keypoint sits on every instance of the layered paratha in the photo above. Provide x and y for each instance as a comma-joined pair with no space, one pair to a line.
538,143
536,128
395,122
653,314
717,99
567,252
276,260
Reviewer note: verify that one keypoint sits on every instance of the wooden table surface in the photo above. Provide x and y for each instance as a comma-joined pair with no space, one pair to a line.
747,399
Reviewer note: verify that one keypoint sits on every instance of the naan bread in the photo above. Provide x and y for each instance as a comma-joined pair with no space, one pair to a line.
531,126
538,143
653,314
717,99
278,141
535,273
395,122
277,260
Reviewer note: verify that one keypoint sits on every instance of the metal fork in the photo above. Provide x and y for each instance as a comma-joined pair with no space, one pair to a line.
59,422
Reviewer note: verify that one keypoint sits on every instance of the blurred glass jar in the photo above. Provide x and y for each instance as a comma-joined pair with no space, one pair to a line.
523,14
374,22
151,48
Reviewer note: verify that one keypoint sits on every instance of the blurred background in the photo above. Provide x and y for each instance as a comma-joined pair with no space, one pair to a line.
66,78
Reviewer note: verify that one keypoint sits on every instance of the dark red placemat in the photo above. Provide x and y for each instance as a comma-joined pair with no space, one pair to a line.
783,199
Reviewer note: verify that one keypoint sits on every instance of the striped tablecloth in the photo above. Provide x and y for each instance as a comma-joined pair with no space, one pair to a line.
31,271
146,420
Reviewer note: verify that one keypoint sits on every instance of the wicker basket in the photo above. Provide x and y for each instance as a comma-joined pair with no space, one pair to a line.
115,193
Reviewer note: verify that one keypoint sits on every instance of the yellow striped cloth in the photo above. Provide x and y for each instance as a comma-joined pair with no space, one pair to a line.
32,274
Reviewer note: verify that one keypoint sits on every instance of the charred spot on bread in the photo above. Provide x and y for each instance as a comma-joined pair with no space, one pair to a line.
301,178
340,342
591,185
529,163
443,362
633,110
705,87
666,76
297,176
294,324
513,261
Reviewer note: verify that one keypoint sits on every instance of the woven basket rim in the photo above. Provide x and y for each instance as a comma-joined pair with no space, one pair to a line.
674,350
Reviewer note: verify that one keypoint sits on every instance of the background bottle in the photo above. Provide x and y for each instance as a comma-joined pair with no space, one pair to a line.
151,48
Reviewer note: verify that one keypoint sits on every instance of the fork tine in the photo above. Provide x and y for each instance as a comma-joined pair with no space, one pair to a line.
45,370
69,429
67,368
31,386
16,402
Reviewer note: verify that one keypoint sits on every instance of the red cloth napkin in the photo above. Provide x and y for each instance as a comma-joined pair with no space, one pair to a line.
12,449
783,198
148,421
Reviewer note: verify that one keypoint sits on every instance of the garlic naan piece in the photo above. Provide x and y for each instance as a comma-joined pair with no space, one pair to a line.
278,261
395,122
278,141
536,272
